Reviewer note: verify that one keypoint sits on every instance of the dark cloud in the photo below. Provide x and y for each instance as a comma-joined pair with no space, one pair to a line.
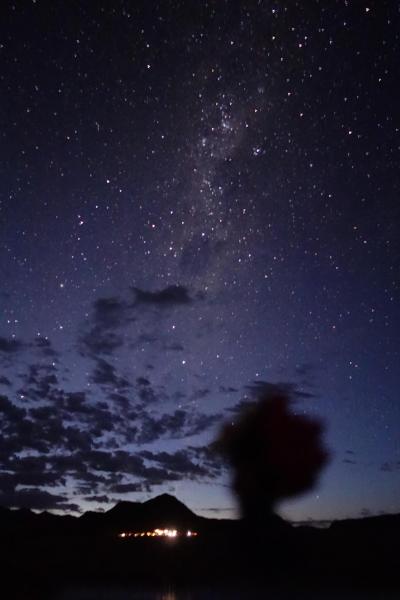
105,374
386,467
25,434
67,421
42,413
174,347
305,372
122,401
304,369
200,394
97,341
145,338
40,428
28,477
210,458
151,429
110,318
5,381
227,389
45,347
107,317
10,345
50,437
241,406
149,395
122,462
89,468
39,383
9,411
36,499
74,437
216,510
179,424
76,402
390,466
38,370
109,312
198,423
178,396
76,423
172,295
71,446
7,482
179,462
128,488
259,387
100,499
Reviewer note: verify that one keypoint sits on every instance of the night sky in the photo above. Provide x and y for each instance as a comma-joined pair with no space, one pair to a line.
197,198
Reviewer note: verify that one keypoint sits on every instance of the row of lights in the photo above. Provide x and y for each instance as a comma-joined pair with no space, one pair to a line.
169,533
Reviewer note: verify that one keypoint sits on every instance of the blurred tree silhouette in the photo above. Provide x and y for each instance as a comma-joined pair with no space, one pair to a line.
275,454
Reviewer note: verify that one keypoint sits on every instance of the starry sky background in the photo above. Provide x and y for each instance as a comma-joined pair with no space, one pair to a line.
196,198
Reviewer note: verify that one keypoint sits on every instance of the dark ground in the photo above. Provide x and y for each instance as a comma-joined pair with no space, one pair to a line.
45,556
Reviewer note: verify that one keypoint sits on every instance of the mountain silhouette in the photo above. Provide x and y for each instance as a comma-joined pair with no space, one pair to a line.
171,510
163,511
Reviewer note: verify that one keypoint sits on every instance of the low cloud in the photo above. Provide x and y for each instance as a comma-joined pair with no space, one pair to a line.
180,463
129,488
172,295
103,336
390,466
99,499
259,388
177,425
36,499
105,374
45,347
10,345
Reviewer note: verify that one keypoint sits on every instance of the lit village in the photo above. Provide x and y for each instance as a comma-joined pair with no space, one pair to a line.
158,533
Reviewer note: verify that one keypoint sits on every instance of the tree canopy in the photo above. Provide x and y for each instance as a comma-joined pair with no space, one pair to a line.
274,453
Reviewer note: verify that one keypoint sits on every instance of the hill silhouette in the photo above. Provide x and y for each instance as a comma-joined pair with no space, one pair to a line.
165,508
164,511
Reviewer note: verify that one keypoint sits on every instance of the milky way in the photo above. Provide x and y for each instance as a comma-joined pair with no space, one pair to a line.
196,199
